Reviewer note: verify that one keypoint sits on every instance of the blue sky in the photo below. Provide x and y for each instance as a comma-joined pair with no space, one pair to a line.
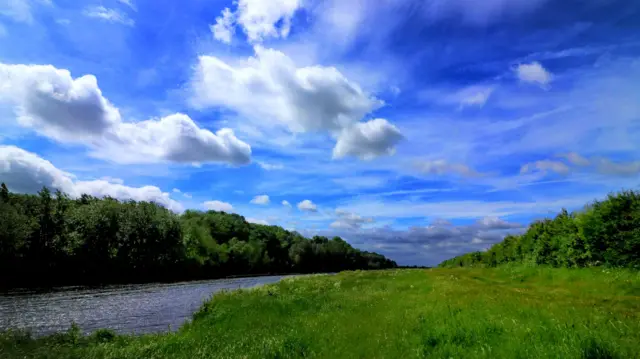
418,129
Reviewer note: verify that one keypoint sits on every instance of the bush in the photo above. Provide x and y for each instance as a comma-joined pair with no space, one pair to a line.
605,233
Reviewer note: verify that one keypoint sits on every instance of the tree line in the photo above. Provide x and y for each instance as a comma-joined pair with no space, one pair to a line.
51,239
604,233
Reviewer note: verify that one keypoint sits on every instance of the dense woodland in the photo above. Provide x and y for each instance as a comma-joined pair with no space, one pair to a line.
604,233
51,239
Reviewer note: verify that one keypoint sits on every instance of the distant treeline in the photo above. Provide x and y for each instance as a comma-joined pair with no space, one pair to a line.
605,233
51,239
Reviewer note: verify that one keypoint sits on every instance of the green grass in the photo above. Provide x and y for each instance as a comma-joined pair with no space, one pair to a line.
439,313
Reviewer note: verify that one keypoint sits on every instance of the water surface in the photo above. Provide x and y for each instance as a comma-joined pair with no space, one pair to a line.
139,308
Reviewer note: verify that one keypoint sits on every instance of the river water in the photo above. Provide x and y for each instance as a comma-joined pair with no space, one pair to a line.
138,309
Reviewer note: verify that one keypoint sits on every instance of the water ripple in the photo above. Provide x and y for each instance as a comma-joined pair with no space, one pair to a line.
144,308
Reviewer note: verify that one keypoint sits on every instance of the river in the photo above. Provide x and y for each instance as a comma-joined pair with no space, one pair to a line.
127,309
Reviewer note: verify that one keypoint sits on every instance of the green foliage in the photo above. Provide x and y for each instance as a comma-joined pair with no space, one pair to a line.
605,233
507,312
50,239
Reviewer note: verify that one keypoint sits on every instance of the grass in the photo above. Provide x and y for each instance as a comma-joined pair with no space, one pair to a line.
438,313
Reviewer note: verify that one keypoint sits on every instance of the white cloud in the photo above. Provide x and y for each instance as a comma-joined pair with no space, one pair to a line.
218,206
286,204
491,223
176,138
112,180
187,195
534,73
224,28
51,101
257,221
349,221
575,159
606,166
270,166
269,87
600,165
442,167
545,166
307,206
474,96
258,19
58,106
128,3
270,91
20,10
175,190
470,96
261,200
26,172
367,140
109,15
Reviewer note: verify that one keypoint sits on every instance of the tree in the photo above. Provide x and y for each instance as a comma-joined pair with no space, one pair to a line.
4,193
605,233
58,240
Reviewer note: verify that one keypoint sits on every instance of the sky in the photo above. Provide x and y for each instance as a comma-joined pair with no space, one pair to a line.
419,129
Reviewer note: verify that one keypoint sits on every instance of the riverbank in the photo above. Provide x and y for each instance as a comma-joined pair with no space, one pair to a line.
437,313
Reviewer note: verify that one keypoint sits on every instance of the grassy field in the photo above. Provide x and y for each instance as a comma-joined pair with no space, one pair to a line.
436,313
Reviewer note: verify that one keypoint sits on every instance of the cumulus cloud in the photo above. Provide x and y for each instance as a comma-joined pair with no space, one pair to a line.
367,140
286,204
109,15
26,172
534,73
224,29
545,166
258,19
269,88
441,167
261,200
176,138
307,206
218,206
53,103
348,220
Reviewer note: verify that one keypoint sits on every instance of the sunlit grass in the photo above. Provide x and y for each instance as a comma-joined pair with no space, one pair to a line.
440,313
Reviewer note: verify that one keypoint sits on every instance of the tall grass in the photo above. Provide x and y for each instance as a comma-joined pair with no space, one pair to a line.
510,312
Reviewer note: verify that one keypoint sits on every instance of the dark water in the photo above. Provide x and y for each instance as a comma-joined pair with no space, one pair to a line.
143,308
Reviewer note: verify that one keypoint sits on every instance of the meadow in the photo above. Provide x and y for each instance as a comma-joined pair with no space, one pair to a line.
505,312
